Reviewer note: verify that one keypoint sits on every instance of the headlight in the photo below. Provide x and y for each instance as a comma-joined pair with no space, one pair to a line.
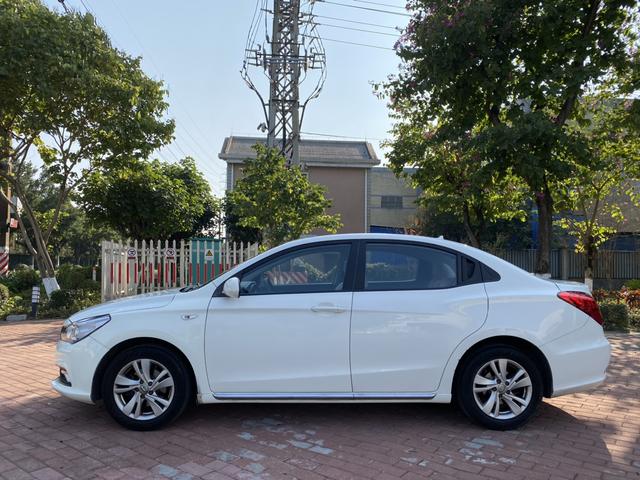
73,332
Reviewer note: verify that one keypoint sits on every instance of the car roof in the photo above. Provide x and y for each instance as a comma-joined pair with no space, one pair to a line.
507,270
374,236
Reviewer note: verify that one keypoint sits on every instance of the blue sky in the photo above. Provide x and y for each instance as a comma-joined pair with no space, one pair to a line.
197,48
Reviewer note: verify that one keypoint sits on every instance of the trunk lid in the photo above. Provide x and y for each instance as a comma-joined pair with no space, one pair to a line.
567,286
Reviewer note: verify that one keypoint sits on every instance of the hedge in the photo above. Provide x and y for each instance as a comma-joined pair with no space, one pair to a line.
615,315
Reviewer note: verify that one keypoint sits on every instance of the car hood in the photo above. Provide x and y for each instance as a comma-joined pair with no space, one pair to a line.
139,302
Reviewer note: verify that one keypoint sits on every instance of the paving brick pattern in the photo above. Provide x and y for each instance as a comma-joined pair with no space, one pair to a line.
44,436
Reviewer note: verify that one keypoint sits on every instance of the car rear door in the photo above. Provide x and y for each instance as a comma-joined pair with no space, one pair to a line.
411,308
287,335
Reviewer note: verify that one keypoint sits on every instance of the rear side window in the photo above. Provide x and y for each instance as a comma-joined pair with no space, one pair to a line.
408,267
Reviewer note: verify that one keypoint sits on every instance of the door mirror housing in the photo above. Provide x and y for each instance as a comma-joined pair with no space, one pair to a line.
231,288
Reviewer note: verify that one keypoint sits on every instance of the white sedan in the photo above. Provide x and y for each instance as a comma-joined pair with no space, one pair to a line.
348,318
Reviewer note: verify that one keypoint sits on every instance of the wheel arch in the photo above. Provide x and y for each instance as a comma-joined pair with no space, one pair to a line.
514,342
98,376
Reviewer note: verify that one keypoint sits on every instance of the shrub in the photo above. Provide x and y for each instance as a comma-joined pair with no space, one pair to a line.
4,293
75,277
12,306
616,316
634,319
64,303
631,298
607,295
633,284
21,278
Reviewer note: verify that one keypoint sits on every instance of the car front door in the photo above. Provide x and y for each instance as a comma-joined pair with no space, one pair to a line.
410,309
287,335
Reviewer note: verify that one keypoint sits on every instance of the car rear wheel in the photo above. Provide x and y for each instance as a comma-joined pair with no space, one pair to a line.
145,388
500,388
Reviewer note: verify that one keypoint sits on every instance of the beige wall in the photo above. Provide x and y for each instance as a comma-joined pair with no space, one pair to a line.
346,189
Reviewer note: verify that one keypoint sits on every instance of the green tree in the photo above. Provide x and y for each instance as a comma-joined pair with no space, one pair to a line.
79,239
81,103
595,192
498,235
281,202
234,231
153,200
507,74
73,238
455,180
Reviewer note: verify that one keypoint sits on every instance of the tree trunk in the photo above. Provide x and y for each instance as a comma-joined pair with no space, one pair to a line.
39,248
466,220
43,259
590,252
544,202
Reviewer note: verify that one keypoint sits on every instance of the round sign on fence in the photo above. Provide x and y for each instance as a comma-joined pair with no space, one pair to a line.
132,254
170,253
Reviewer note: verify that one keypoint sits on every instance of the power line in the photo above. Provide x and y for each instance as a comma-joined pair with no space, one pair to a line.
167,147
353,43
86,8
327,135
359,30
184,110
253,21
364,8
356,22
381,4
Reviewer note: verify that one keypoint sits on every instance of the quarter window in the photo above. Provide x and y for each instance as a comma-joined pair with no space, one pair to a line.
408,267
308,270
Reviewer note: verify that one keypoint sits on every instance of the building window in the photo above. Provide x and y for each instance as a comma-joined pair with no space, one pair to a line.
391,201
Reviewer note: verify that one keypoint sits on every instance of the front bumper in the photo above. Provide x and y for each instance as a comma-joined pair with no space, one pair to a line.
80,361
578,360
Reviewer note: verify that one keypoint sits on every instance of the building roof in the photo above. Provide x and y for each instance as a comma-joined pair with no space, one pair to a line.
317,153
385,170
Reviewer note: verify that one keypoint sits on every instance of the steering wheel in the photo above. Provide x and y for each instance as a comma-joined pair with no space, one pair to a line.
248,287
264,284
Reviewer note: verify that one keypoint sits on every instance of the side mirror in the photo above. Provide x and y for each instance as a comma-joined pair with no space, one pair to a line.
231,288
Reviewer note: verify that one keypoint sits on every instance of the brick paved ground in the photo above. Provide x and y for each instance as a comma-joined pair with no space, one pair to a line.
44,436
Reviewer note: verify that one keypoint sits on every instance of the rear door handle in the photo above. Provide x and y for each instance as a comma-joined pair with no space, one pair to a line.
328,309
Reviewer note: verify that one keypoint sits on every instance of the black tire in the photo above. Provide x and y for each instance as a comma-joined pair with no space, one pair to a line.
180,397
479,362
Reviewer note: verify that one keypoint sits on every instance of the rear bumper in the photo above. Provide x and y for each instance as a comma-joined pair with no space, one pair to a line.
578,360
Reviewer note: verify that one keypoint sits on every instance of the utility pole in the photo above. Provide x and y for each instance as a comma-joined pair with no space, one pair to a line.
289,54
284,74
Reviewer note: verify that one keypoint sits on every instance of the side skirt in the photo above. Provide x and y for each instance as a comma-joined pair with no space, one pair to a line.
325,396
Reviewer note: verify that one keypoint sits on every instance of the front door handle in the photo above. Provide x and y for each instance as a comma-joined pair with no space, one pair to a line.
323,308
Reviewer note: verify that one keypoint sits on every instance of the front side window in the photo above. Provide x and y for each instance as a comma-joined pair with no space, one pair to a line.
408,267
307,270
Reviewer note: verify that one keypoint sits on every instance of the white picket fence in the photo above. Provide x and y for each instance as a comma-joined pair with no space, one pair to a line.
136,267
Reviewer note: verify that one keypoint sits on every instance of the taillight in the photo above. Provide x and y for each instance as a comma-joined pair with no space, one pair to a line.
584,302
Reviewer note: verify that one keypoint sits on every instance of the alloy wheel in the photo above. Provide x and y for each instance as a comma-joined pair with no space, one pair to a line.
143,389
502,389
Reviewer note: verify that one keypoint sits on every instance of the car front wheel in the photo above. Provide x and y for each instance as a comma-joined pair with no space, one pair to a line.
500,388
146,387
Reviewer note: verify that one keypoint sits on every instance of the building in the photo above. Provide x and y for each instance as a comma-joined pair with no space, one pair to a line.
393,204
342,167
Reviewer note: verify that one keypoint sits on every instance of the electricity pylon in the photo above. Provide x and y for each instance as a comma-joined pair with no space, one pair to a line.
285,58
